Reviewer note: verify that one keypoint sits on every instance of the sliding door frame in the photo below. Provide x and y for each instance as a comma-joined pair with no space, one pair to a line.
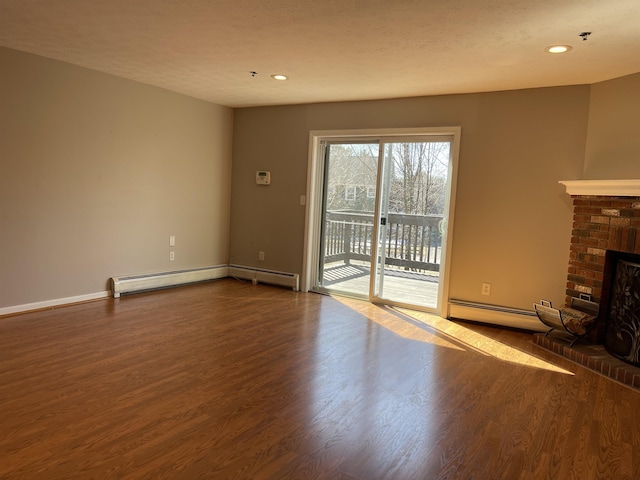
315,182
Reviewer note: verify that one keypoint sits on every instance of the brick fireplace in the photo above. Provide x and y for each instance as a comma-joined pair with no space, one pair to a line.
605,228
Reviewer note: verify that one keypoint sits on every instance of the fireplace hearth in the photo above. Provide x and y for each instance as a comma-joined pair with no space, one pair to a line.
593,357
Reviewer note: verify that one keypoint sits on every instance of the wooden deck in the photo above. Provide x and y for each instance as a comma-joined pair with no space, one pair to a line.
400,286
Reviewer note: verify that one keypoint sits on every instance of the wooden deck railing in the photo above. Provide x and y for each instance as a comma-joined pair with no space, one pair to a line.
413,241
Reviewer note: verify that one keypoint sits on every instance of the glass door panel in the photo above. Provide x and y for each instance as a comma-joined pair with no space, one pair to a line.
349,194
413,189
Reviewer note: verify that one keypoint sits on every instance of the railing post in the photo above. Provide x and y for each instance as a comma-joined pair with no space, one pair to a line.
348,233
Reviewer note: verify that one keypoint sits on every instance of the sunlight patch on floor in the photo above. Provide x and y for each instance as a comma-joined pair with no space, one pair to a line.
383,317
481,343
425,327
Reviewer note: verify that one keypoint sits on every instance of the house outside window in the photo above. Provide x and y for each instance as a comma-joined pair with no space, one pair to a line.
349,192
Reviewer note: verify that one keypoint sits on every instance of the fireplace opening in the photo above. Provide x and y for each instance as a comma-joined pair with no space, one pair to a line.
609,270
622,335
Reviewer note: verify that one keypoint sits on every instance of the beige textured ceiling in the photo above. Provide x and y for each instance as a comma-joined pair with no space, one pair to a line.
332,50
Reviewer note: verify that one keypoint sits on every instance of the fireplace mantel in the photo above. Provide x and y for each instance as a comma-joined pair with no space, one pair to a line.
612,188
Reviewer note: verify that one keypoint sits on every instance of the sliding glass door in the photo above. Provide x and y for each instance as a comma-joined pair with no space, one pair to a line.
383,217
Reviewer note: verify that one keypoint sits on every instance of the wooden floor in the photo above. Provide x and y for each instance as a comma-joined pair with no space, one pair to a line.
232,380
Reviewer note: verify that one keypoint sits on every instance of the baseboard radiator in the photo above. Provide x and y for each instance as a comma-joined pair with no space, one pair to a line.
153,281
496,315
271,277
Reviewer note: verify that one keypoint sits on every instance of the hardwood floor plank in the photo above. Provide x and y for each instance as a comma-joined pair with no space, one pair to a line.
231,380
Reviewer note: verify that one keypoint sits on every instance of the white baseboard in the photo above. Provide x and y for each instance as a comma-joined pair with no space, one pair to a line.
27,307
139,282
496,315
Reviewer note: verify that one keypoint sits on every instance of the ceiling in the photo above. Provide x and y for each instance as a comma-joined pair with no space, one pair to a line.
332,50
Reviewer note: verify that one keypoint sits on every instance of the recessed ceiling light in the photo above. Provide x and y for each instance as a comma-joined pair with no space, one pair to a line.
279,76
558,49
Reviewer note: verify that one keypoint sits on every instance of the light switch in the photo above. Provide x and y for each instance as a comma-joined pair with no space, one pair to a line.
172,241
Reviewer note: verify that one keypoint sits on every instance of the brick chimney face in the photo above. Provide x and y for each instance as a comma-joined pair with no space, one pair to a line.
600,223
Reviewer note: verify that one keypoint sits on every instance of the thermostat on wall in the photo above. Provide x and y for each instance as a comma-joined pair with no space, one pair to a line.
263,177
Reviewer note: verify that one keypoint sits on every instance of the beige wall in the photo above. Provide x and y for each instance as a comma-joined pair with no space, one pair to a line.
512,219
613,145
96,172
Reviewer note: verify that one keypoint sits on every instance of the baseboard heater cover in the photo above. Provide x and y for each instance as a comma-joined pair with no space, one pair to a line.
271,277
153,281
496,315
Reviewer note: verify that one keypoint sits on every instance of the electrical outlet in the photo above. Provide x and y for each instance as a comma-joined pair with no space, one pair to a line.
486,289
261,256
172,256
